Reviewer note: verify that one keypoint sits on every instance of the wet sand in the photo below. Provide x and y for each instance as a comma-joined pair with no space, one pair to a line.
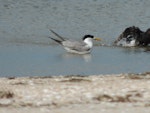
120,93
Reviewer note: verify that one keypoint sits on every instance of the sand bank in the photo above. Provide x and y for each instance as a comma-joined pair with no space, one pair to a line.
76,94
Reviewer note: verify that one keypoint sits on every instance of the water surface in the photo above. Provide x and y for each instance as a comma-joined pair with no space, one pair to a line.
25,49
35,60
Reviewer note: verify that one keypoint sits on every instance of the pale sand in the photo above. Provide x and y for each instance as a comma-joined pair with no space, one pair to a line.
124,93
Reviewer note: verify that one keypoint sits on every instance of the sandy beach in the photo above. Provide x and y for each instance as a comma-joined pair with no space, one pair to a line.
120,93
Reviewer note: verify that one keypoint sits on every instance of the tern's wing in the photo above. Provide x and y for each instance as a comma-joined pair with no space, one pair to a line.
75,45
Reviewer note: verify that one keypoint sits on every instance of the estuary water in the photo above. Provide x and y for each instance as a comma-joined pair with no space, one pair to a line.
26,50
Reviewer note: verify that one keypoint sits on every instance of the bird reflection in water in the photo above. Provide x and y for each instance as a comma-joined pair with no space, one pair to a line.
86,57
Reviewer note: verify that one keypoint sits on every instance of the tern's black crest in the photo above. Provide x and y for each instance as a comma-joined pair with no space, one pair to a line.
87,36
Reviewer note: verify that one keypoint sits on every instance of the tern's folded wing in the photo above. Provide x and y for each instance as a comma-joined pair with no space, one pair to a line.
75,45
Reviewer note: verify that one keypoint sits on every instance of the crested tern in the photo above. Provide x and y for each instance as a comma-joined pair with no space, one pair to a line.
73,46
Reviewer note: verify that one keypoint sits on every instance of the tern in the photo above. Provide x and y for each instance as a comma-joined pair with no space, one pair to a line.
78,47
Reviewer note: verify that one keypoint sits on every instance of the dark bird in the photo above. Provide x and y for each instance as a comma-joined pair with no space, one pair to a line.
133,36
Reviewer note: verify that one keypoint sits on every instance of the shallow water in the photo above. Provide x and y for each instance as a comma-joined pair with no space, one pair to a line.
23,60
25,49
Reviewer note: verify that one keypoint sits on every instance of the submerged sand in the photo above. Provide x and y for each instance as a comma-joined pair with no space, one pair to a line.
120,93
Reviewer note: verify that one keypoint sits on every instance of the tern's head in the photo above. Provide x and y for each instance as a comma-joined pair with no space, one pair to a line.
88,36
88,39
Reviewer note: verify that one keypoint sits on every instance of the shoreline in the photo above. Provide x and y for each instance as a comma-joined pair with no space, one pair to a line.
91,93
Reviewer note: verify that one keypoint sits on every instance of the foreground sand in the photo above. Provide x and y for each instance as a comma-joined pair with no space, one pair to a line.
124,93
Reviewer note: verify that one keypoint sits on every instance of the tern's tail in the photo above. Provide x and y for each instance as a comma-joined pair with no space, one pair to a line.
57,35
58,41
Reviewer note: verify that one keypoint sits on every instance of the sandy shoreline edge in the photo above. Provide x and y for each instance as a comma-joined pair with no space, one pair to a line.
56,93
